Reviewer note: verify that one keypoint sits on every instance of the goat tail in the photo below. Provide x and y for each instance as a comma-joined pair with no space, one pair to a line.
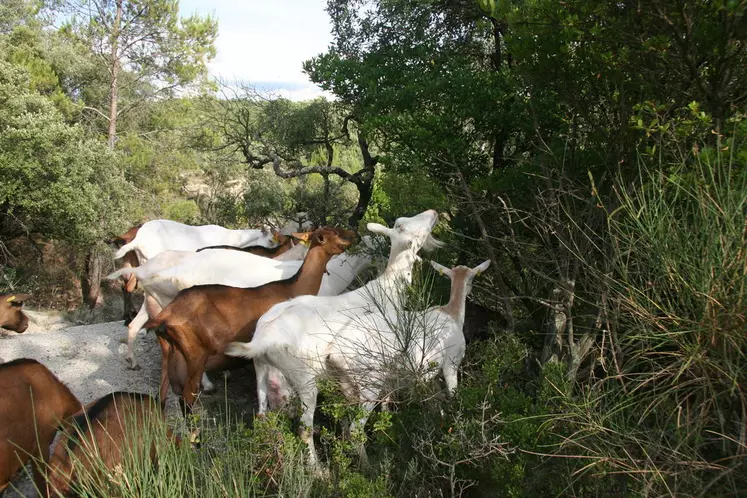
157,324
242,349
122,271
125,249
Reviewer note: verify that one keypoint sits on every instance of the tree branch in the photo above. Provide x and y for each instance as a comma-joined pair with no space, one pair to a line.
97,112
304,170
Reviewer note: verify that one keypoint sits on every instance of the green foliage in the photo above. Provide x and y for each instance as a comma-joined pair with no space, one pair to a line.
408,192
488,441
183,211
56,182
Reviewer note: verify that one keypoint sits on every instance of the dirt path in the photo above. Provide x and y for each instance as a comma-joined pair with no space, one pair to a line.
89,359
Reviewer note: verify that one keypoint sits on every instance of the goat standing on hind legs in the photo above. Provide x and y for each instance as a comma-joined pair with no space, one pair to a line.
202,320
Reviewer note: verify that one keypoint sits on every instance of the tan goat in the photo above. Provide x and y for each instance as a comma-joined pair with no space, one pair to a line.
202,320
33,404
11,314
100,437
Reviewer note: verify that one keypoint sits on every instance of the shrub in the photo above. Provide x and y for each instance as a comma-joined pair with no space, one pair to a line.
671,417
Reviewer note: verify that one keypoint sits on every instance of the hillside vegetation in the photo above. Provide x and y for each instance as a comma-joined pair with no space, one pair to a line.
594,152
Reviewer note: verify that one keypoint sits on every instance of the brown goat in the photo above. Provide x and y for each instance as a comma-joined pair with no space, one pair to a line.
285,243
202,320
129,282
104,432
11,315
33,404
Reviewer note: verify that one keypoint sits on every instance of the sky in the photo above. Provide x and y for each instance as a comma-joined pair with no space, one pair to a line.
264,43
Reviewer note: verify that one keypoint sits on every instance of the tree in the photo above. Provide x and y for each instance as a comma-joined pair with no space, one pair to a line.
509,104
425,81
284,134
146,41
56,182
148,52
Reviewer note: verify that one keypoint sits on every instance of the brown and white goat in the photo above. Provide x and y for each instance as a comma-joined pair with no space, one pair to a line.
100,437
202,320
129,282
12,316
33,404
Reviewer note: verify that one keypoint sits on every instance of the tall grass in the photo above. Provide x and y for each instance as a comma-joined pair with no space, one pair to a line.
232,460
673,417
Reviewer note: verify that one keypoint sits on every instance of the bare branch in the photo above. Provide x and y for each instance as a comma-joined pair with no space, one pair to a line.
87,108
305,170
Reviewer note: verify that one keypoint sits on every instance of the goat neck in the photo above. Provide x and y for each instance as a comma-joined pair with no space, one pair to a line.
458,296
398,270
309,276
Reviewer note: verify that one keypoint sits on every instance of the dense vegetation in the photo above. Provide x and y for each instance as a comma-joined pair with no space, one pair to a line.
593,151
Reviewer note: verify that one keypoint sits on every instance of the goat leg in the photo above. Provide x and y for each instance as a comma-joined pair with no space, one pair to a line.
195,369
262,370
165,353
132,329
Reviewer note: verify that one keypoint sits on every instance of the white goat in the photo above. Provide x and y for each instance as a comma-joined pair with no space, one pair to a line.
171,271
156,236
295,253
441,342
299,336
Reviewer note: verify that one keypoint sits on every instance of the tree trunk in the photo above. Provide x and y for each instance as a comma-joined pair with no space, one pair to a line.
91,283
364,182
552,350
365,192
327,200
497,32
114,73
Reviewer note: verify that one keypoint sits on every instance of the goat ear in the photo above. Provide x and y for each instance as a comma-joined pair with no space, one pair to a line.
17,298
378,228
481,267
442,270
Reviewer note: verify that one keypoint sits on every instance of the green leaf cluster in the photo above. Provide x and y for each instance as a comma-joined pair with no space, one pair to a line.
56,181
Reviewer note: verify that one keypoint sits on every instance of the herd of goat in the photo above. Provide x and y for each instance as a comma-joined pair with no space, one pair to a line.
217,298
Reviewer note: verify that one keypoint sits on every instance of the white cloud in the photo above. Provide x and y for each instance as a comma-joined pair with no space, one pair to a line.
265,43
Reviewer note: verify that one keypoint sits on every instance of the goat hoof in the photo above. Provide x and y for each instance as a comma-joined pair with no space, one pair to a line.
133,367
